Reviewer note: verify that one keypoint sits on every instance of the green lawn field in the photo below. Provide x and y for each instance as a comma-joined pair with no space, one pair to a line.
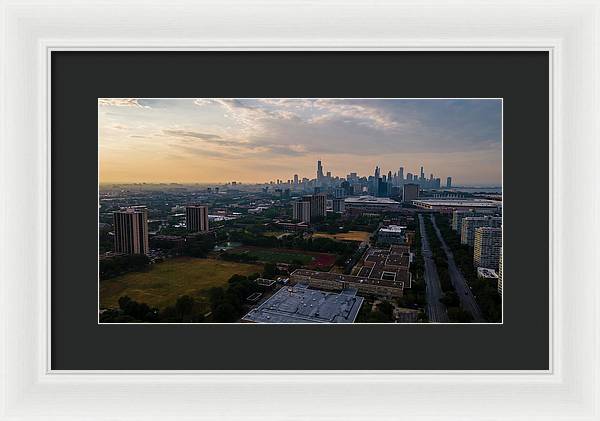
166,281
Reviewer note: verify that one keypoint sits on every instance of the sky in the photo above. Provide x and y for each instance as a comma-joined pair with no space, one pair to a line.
203,140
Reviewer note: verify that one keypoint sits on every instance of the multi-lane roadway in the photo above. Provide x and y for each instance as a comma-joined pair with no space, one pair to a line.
467,300
436,311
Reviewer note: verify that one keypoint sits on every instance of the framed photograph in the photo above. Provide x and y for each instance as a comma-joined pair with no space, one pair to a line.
363,207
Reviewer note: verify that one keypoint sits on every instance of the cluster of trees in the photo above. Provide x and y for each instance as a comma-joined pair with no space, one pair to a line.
383,313
296,242
118,265
194,245
185,309
488,298
364,223
450,297
227,304
105,241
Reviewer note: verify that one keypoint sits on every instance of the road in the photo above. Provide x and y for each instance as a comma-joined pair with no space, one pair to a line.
467,300
436,311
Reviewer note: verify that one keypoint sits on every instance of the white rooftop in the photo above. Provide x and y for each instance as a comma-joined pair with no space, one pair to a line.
487,273
370,200
392,228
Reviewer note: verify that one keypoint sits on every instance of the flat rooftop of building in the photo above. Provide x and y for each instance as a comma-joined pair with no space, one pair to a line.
371,200
300,275
301,304
487,273
458,203
393,229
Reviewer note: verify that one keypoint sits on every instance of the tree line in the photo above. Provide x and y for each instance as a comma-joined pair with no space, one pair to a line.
488,298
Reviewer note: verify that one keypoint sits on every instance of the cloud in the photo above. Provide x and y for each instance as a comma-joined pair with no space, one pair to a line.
268,130
121,102
197,135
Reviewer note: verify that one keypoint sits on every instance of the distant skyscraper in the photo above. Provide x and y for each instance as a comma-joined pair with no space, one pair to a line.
449,182
389,177
319,171
196,218
488,247
377,173
296,179
328,174
409,177
131,231
422,174
339,192
401,173
410,192
382,188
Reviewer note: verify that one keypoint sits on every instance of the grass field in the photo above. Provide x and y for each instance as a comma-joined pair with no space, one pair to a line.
307,258
345,236
166,281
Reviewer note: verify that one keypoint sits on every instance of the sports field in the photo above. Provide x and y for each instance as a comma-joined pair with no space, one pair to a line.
344,236
270,255
166,281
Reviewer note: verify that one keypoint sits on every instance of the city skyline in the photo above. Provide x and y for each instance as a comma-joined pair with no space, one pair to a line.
251,141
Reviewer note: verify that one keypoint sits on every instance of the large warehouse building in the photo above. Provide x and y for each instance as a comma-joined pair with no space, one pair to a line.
449,205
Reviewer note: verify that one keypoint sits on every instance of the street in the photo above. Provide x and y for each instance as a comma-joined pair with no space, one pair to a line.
436,311
467,300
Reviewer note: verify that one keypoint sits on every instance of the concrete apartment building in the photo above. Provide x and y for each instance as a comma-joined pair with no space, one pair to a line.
410,192
488,247
196,218
301,211
470,224
339,205
131,230
500,276
459,214
318,205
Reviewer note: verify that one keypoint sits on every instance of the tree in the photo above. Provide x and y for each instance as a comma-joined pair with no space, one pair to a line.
270,271
224,312
459,315
184,305
386,308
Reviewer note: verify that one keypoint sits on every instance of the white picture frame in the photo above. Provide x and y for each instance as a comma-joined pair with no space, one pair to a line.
569,30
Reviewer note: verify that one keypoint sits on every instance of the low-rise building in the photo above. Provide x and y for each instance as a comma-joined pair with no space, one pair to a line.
301,304
338,282
369,204
486,273
450,205
391,234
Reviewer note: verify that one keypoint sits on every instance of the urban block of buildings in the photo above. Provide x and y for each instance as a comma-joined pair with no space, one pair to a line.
385,273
